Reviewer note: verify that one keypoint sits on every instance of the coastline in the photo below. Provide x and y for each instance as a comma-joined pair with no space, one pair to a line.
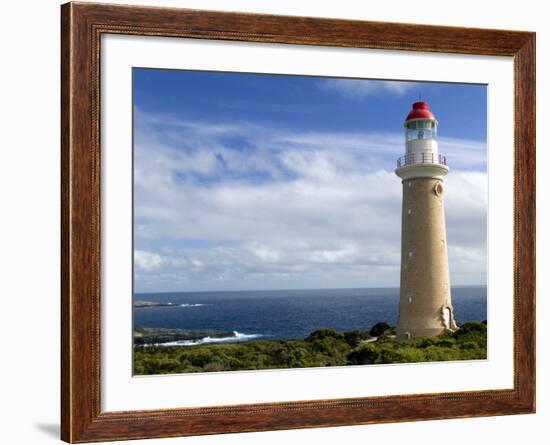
167,337
323,347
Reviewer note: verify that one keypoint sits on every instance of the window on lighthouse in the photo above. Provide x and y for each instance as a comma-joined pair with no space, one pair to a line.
421,129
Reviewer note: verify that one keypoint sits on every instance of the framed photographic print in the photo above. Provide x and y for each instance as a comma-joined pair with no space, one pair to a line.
275,222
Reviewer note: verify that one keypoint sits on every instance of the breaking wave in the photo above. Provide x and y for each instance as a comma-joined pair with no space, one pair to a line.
238,337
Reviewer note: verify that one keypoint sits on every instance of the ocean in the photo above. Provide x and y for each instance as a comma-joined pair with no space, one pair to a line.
286,314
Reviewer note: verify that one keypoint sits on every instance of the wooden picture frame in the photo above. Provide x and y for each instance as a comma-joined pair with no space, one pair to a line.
82,25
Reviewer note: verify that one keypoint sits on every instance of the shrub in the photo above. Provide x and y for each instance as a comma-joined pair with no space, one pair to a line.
469,328
469,345
446,342
320,334
392,356
199,358
214,367
353,338
367,354
379,328
385,339
428,341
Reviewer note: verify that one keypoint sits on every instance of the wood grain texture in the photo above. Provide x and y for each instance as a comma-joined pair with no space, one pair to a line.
81,28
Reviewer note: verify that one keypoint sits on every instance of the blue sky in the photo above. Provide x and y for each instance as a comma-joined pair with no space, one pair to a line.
247,181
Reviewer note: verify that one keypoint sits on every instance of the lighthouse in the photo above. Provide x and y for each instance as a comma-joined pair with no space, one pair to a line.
425,307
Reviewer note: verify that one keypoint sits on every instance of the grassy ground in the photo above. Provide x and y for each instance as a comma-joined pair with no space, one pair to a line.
324,347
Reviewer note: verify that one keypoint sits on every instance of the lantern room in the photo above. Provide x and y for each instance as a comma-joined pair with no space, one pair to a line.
422,157
421,129
420,123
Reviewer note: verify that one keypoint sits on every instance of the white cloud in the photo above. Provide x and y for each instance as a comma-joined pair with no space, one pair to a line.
265,253
147,260
360,88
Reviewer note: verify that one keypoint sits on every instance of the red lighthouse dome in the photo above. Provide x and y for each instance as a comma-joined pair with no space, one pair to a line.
420,110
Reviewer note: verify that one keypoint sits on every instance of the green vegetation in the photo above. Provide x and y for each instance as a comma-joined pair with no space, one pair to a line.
324,347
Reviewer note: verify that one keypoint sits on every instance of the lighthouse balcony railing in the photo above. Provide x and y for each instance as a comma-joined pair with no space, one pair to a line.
421,158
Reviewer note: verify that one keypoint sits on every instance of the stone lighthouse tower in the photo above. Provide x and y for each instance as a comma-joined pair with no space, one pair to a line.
425,307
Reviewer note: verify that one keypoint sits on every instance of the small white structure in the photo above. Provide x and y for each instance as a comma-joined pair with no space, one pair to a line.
425,307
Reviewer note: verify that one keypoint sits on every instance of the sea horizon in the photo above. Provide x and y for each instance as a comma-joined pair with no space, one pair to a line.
287,289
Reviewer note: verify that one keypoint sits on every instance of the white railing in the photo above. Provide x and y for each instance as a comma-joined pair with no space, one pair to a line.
421,158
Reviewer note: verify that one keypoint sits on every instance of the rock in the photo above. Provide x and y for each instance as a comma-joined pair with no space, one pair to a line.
148,336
